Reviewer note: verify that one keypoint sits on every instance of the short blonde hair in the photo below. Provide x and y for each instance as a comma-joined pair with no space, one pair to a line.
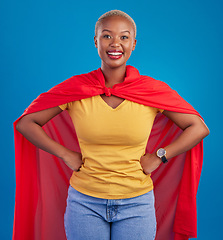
115,13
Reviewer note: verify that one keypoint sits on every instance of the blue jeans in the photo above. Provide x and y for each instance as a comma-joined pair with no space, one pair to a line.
90,218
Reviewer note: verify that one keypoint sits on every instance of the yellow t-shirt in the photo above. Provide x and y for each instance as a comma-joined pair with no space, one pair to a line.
112,142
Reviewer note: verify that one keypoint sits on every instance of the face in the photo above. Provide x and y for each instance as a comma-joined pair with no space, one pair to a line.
115,41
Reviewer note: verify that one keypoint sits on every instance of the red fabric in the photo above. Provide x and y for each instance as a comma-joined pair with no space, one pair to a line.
42,179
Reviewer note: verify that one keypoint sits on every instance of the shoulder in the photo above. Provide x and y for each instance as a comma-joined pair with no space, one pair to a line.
154,82
151,84
77,81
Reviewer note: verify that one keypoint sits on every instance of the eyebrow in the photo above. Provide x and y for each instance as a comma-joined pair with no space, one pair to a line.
111,31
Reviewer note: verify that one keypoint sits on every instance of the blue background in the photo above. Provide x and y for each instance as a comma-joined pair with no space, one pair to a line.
179,42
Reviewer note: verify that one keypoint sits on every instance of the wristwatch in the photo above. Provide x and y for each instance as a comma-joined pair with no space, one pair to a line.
161,153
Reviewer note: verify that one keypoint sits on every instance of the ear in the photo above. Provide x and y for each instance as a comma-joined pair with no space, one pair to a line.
95,42
134,45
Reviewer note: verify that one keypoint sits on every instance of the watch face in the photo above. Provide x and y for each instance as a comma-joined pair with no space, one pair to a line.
161,152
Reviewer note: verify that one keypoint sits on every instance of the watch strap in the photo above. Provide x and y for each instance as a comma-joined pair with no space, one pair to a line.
164,160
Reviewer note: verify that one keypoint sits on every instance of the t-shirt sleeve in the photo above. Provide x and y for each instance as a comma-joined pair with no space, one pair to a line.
65,106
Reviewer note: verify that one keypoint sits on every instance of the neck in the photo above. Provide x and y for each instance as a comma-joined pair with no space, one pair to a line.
113,75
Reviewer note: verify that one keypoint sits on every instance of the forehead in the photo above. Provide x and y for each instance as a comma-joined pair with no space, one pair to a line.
118,23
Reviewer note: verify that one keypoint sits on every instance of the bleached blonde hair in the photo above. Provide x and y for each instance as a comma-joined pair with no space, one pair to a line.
115,13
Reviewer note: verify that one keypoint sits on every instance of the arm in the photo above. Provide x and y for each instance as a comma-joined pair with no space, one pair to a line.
30,126
194,130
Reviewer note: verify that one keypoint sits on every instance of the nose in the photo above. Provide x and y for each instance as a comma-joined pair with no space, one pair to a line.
115,42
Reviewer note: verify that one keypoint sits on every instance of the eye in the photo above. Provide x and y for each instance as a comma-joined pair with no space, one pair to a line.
124,37
106,36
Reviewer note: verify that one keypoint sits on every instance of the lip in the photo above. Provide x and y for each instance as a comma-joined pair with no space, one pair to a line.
114,54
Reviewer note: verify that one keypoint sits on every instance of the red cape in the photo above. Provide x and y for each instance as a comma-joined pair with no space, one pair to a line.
42,179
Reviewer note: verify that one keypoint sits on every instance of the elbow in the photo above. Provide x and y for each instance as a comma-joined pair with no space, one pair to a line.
23,124
202,128
204,131
20,125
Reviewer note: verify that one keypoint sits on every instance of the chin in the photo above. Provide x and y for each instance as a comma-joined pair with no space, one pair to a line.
114,64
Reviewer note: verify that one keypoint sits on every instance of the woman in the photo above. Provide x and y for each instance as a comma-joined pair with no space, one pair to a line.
111,191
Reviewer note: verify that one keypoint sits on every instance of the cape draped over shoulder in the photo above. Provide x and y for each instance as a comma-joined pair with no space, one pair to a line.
42,179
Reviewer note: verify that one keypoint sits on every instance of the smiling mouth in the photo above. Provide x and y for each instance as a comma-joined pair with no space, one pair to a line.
115,54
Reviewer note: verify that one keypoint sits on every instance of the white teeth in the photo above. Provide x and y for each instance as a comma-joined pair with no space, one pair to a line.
114,53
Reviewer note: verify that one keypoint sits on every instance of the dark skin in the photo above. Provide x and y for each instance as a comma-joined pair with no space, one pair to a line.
114,33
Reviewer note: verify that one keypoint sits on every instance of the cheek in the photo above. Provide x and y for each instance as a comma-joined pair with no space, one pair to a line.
101,50
101,45
129,48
